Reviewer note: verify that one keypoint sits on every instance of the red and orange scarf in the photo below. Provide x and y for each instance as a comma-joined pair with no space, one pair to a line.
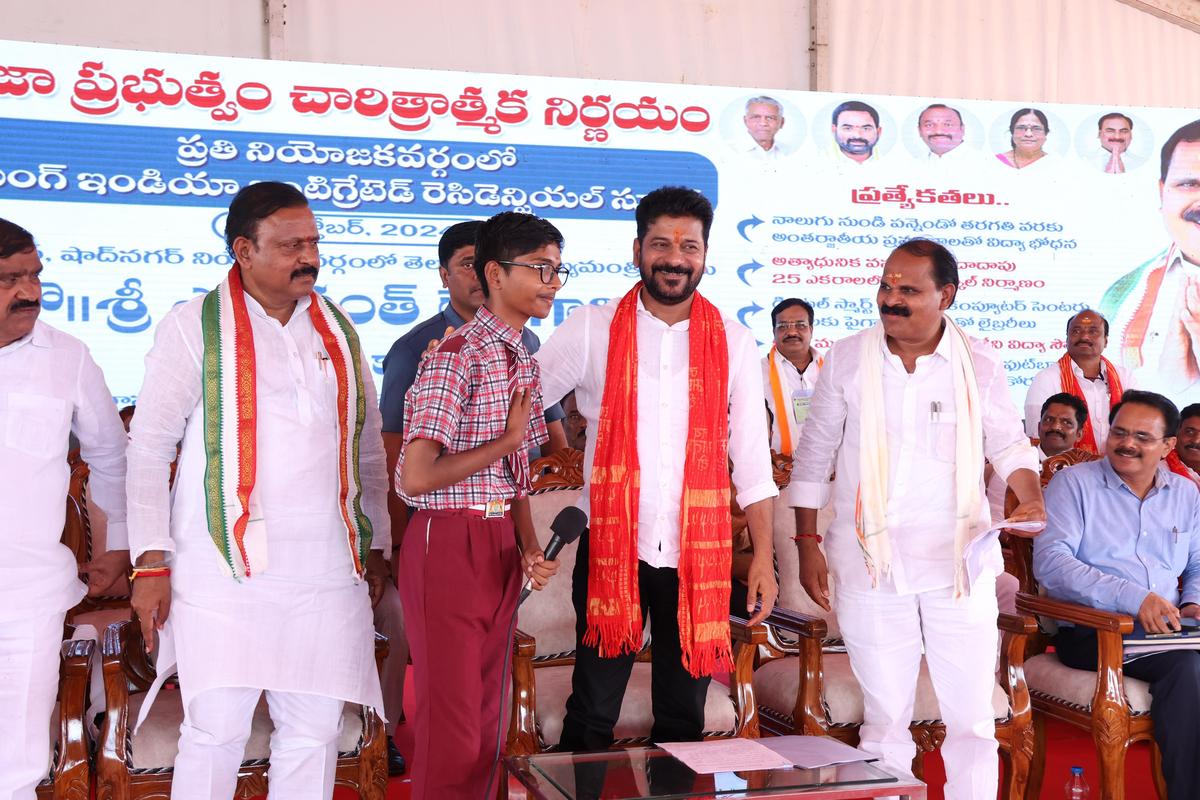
1176,465
614,618
1070,385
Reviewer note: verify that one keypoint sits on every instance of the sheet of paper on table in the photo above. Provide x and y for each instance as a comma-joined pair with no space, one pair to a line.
725,755
810,752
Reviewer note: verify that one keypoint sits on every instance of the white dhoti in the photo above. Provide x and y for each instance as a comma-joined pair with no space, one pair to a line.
884,633
29,669
212,741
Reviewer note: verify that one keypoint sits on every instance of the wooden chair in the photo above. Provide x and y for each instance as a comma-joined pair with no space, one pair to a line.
1114,708
132,766
804,684
70,774
544,644
70,771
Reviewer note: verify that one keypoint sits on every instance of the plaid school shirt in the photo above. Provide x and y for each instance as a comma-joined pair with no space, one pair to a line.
460,400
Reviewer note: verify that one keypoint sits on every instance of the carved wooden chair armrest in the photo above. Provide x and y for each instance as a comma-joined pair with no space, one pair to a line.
809,712
125,663
1014,640
71,778
522,728
1109,627
746,641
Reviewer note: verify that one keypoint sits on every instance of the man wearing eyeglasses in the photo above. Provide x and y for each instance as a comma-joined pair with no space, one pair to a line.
1120,533
789,372
475,410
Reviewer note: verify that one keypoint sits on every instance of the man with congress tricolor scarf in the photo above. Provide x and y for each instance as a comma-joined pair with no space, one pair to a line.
672,389
254,570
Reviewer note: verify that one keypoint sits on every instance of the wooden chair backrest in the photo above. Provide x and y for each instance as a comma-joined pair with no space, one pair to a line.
77,532
1020,549
549,615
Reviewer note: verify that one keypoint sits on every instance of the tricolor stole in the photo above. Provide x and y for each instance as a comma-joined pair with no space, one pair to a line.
228,375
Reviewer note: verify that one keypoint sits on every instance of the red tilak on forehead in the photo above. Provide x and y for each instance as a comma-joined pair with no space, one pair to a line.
894,276
678,236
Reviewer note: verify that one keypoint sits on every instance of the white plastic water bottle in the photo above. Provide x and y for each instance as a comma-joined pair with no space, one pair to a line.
1077,788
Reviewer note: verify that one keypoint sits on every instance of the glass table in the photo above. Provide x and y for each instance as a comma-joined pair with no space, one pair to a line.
649,773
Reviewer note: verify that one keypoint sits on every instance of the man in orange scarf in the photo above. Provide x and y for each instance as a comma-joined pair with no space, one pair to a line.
671,388
1185,458
1085,373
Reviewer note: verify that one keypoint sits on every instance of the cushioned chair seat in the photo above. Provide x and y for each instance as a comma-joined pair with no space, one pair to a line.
777,683
1046,675
554,686
157,741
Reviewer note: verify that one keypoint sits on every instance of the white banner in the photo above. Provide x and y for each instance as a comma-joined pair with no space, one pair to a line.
122,164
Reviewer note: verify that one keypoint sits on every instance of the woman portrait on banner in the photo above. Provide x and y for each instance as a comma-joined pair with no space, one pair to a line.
1029,128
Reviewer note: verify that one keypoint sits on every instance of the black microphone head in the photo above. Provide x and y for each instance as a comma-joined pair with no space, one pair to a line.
569,524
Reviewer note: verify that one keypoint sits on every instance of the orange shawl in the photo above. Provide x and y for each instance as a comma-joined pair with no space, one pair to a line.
1070,385
1176,465
614,618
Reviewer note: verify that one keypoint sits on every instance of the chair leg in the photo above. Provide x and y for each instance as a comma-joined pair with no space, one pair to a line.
1111,755
1018,761
1160,783
1037,768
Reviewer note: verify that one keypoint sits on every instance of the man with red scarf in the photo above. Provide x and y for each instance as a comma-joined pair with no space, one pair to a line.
1184,459
1085,373
672,389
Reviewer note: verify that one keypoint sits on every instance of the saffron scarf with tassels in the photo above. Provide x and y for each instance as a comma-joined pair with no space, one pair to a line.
870,507
1070,385
230,407
614,618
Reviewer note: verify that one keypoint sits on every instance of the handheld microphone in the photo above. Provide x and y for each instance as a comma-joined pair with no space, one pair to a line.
567,527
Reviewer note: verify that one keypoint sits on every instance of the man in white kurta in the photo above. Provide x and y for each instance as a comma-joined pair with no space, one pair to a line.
888,617
300,627
789,372
1094,379
49,388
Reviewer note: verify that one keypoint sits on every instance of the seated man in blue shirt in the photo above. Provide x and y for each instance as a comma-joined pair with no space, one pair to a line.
1120,533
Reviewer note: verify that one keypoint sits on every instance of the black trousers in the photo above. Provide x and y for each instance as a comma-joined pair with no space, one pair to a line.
598,684
1174,678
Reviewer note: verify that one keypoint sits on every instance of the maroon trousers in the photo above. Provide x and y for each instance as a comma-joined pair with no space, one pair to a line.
459,580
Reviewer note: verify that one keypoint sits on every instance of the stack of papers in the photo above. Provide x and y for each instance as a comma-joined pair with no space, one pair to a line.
776,752
1139,642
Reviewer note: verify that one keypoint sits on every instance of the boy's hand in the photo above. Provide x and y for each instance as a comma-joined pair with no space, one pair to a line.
537,568
518,418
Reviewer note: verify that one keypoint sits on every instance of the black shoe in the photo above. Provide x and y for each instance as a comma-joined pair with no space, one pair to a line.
395,759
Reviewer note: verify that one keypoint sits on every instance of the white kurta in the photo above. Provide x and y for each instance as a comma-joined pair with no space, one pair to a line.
304,623
49,387
921,417
576,357
1048,382
797,389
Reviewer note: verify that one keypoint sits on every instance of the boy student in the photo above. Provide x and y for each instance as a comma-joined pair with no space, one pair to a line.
471,416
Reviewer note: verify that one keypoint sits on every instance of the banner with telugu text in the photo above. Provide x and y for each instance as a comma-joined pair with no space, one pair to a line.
122,165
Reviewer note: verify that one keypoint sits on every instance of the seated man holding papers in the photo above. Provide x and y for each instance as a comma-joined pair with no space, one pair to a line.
1120,532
